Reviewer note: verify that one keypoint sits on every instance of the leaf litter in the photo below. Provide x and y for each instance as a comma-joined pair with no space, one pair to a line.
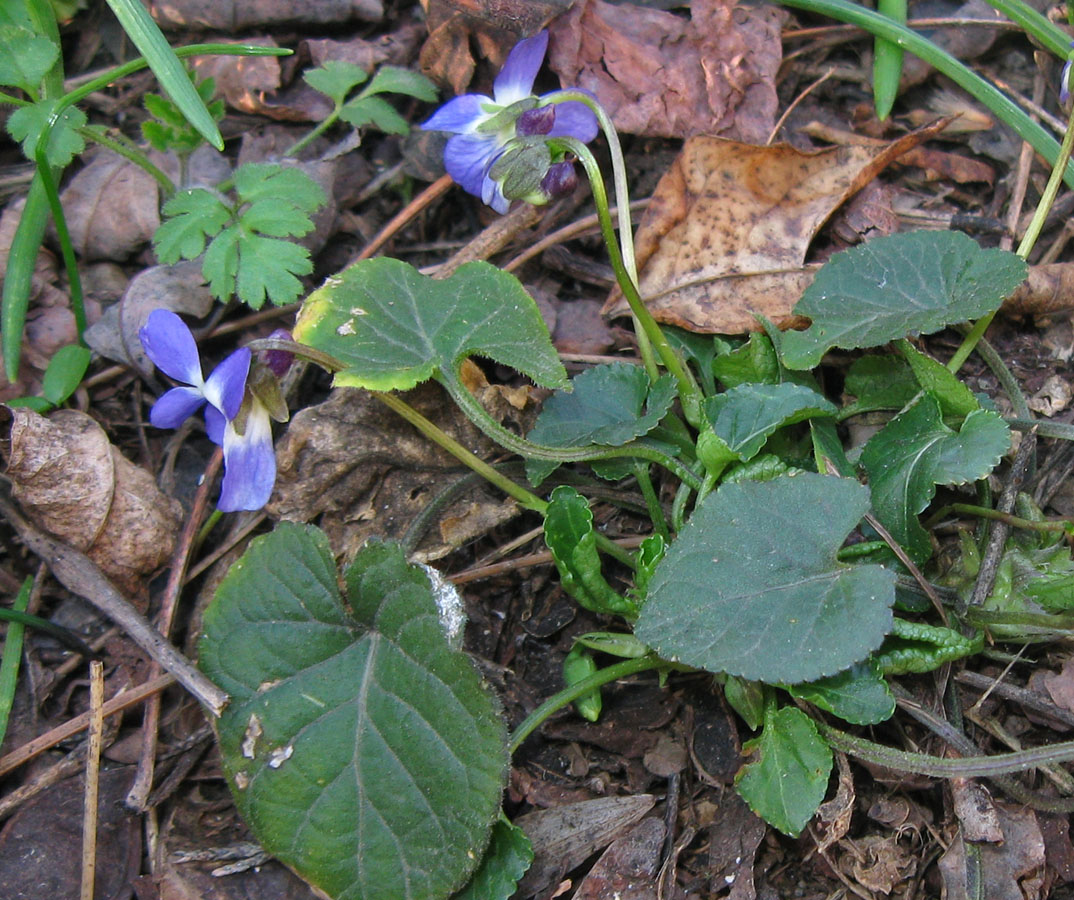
66,471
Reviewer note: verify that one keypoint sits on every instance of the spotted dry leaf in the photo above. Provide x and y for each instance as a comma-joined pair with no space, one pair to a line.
727,230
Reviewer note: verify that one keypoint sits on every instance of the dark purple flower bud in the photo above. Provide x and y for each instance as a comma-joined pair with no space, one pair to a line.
279,361
536,121
559,179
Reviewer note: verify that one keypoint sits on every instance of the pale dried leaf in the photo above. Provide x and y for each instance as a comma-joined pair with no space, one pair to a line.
242,80
1012,870
111,207
727,230
72,482
627,869
660,75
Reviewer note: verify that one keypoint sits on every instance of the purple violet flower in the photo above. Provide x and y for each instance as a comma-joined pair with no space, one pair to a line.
482,127
242,429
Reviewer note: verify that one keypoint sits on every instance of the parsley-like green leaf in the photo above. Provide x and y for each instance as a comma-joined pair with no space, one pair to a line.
27,123
284,185
268,266
191,216
376,111
25,57
397,80
336,78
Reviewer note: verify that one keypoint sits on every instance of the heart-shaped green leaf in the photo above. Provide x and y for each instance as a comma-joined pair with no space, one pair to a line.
394,327
25,57
914,452
361,749
892,287
505,862
752,586
859,695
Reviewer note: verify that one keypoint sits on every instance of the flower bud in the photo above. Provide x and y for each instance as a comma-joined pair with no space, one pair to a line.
279,361
536,121
559,179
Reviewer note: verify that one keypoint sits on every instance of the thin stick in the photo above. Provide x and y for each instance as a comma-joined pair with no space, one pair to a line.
73,726
809,90
78,573
585,225
143,780
93,771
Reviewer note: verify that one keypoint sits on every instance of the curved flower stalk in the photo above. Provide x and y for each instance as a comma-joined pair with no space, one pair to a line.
499,147
236,418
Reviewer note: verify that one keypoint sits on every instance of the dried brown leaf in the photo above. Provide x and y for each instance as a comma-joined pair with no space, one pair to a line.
493,26
111,207
727,230
1011,870
72,482
243,80
627,869
660,75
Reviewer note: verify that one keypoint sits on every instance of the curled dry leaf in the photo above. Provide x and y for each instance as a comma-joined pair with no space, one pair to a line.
180,288
660,75
71,481
111,207
235,15
727,230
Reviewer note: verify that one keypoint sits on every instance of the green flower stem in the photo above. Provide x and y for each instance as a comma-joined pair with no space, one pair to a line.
123,146
568,695
9,663
984,512
622,204
1049,622
1046,32
1044,428
206,529
942,767
678,505
1029,239
652,501
1006,379
1003,107
319,129
689,393
431,431
14,101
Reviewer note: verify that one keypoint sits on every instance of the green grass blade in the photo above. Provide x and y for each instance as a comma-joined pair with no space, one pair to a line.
887,60
19,275
152,44
1050,35
9,663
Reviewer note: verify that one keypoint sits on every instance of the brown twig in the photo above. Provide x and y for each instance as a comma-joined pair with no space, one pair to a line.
143,780
79,574
93,771
402,218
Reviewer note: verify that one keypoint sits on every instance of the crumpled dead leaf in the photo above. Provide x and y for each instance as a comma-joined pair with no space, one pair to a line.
627,870
72,482
180,288
360,470
725,236
111,207
660,75
235,15
493,26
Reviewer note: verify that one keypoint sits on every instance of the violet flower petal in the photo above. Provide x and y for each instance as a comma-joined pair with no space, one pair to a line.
1064,82
468,157
459,116
575,119
249,464
175,407
519,71
227,383
170,345
215,424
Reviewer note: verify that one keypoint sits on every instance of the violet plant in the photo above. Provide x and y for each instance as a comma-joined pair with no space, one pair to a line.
360,743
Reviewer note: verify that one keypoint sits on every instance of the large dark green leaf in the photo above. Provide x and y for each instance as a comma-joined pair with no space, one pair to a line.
916,451
899,286
361,749
752,586
394,327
